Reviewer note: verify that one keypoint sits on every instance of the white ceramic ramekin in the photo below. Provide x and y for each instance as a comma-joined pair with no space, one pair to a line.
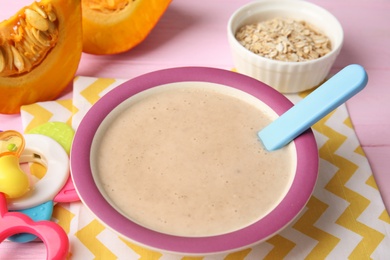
284,76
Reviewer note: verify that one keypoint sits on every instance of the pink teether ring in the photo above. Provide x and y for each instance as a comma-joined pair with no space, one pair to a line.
68,193
54,237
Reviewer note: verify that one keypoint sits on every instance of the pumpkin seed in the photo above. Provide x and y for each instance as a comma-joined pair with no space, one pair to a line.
36,21
18,60
31,38
9,57
41,40
52,28
39,10
52,16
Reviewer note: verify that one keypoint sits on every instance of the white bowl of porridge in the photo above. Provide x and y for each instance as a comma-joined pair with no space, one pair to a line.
170,160
290,45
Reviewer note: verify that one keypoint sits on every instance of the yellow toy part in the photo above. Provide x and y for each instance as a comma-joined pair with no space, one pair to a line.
14,182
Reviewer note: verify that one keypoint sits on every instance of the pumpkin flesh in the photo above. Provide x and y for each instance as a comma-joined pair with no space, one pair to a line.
115,26
37,59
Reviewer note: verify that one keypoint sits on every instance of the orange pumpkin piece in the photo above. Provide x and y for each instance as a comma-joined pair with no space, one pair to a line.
115,26
40,49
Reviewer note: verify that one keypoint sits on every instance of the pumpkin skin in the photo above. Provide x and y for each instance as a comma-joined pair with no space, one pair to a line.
47,79
112,32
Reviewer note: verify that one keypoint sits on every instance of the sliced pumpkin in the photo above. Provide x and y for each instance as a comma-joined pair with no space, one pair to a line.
115,26
40,49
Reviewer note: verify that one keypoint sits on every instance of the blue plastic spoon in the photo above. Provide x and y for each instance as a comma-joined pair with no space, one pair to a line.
335,91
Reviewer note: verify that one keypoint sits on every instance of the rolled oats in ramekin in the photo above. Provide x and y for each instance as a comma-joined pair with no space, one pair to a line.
289,45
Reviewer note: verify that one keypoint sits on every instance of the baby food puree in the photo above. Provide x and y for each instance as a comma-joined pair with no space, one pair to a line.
184,159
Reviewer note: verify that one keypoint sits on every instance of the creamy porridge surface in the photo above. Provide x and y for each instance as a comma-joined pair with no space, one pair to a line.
188,162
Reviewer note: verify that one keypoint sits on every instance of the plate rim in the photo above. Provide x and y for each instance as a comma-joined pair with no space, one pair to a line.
292,204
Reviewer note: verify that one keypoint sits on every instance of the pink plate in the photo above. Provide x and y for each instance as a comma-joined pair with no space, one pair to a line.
294,201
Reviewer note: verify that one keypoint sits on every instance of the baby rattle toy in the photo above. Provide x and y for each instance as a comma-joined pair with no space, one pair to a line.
16,193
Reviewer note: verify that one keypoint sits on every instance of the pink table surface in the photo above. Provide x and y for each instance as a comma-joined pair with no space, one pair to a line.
193,33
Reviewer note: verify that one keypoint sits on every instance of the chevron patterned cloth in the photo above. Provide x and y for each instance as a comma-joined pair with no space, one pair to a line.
345,217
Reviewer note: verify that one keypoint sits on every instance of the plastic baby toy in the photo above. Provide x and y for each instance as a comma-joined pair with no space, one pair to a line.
14,184
13,181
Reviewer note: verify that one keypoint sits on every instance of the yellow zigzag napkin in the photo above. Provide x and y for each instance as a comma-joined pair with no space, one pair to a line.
344,218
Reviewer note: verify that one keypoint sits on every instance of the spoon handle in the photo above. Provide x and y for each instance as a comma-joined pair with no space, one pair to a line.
335,91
